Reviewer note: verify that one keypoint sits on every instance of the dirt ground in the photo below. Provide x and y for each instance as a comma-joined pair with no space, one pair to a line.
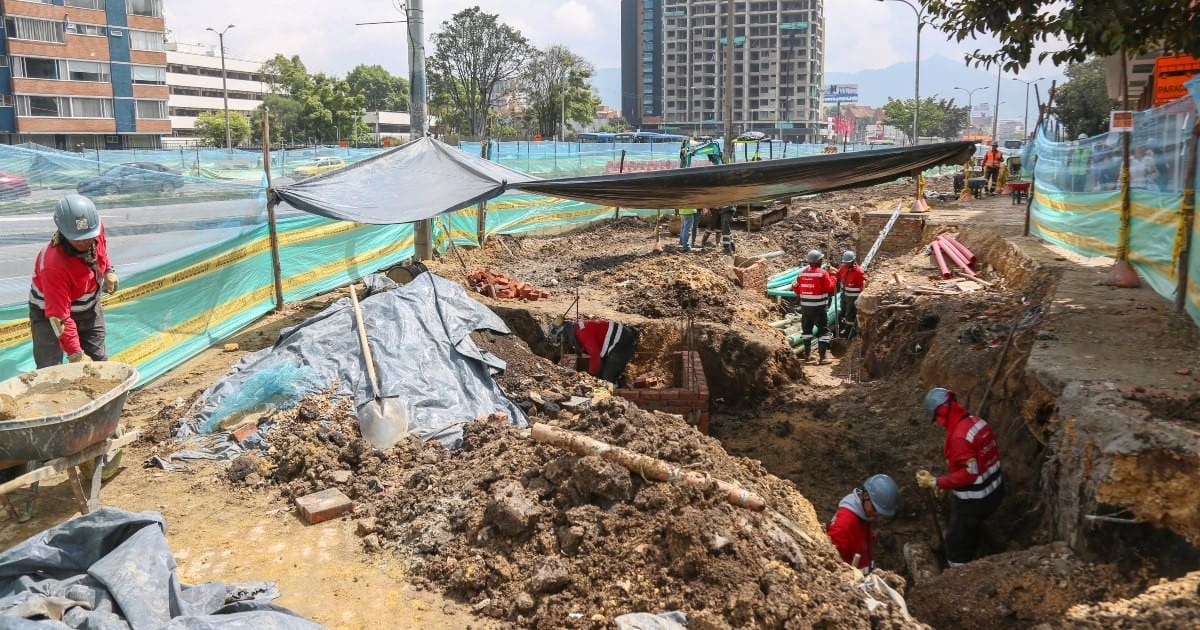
507,532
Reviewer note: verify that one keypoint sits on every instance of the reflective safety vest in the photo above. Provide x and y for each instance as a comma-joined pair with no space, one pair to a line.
814,286
853,279
972,456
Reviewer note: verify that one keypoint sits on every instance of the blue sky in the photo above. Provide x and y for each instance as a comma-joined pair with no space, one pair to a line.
860,34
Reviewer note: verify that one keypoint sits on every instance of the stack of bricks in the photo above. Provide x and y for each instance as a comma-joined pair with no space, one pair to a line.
907,234
753,277
688,398
497,285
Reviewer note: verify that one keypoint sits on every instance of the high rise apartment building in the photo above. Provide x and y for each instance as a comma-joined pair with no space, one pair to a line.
194,78
673,66
83,74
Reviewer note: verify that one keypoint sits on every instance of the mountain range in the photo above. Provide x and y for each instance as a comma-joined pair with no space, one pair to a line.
939,77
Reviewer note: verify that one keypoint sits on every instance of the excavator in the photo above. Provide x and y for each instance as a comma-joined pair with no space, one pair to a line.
710,148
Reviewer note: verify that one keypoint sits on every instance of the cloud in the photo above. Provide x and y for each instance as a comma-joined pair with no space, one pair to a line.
574,17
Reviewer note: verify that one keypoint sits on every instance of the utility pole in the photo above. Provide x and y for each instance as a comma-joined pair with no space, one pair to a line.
423,229
728,81
224,84
996,114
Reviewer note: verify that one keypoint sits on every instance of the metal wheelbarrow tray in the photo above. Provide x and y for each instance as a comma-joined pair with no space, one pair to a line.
67,438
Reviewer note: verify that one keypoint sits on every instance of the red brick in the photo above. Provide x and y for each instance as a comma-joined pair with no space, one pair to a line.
243,432
324,505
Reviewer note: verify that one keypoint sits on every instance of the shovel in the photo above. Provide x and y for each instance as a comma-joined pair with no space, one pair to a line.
383,421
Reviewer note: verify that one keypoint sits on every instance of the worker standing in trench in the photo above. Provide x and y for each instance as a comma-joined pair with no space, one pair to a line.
608,345
853,280
851,531
974,478
814,286
65,316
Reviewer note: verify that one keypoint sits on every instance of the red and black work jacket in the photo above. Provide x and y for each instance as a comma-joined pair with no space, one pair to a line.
972,456
66,283
596,337
814,286
852,278
851,532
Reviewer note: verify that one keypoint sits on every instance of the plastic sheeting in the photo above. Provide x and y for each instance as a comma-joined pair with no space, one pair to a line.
114,569
394,187
418,180
420,338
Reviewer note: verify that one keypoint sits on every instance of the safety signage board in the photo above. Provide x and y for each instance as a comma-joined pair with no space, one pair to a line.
841,93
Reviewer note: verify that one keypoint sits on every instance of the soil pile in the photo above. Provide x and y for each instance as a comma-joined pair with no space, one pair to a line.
670,288
1015,589
543,538
1167,606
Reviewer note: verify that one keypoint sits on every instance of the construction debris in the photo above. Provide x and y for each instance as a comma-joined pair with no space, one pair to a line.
497,285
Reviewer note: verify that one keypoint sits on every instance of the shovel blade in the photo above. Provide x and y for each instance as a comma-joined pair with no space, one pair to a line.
837,347
383,422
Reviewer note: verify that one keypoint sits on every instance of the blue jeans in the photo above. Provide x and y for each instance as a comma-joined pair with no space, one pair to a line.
686,222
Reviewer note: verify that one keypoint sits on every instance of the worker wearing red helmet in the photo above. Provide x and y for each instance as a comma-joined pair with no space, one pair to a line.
974,480
65,315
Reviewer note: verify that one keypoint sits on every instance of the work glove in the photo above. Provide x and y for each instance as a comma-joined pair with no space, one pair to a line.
110,281
79,357
926,480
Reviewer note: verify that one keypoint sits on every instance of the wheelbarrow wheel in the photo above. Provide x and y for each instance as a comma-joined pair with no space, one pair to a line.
110,470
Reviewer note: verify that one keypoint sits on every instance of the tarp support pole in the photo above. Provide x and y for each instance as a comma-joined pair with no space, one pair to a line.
1188,209
481,223
272,232
1126,203
620,169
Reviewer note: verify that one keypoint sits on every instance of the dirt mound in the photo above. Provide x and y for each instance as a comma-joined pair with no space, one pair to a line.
1166,606
543,538
1015,589
664,287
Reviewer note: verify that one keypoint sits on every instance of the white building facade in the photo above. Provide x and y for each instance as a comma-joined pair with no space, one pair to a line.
194,79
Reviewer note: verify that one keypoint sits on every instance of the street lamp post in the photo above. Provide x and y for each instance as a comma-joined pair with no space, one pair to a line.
996,112
224,84
919,10
970,112
1025,124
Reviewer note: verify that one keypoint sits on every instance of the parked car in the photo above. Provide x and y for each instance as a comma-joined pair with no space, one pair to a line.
132,177
13,186
322,165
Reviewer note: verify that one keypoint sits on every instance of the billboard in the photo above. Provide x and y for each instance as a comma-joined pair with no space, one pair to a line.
841,93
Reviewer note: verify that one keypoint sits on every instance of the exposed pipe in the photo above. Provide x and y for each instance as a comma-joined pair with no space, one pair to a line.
962,249
941,261
955,257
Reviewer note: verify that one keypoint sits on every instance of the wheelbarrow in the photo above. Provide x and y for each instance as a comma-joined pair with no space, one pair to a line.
1019,191
64,423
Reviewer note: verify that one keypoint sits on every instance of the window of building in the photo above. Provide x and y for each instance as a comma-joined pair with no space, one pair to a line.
91,108
151,109
145,40
149,75
86,4
93,30
34,29
87,70
149,8
37,68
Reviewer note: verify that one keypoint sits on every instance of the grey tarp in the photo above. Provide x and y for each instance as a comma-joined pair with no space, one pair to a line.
425,178
112,569
417,180
420,338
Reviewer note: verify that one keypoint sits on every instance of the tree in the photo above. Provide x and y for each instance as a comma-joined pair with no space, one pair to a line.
287,119
314,107
210,128
474,55
616,125
1082,104
1093,28
382,90
939,118
555,80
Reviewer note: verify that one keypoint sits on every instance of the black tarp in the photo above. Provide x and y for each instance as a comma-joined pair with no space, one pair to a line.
112,569
425,178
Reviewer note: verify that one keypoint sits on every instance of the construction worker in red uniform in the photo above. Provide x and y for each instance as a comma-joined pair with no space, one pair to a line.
974,480
852,280
850,531
814,287
608,345
65,315
993,160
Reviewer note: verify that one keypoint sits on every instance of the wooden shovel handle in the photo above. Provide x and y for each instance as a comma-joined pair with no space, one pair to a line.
362,339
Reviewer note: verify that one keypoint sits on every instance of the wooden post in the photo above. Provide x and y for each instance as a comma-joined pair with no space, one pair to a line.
1188,209
272,232
620,169
1122,274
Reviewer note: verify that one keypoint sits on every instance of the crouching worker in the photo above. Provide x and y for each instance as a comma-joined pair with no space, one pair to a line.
65,315
608,345
851,531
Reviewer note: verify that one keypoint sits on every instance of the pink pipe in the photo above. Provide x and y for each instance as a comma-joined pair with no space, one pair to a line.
941,261
962,249
955,257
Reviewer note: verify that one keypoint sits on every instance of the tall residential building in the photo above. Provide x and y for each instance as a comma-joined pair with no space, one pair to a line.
83,74
778,66
194,77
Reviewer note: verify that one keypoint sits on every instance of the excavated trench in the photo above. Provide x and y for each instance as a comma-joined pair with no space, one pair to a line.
827,436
